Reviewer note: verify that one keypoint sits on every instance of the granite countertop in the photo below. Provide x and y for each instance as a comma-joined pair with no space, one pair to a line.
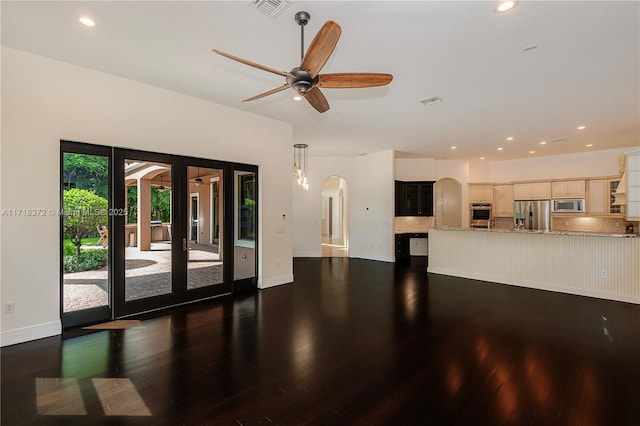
524,231
411,232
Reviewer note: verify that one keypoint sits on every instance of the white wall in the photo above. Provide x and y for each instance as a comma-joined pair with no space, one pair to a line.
370,186
307,205
412,169
44,101
586,164
373,207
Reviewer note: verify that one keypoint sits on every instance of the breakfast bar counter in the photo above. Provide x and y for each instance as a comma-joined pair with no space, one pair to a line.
598,265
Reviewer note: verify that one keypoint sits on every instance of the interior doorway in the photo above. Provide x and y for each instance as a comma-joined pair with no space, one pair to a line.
335,217
448,200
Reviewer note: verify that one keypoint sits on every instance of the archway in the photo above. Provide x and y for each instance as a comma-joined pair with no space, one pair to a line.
448,199
335,217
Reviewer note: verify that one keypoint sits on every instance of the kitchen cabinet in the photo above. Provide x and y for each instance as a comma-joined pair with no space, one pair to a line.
414,198
632,175
532,191
600,200
480,193
502,201
403,245
568,189
598,197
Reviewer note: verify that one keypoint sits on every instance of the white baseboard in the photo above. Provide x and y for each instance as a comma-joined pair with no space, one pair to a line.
307,254
33,332
274,281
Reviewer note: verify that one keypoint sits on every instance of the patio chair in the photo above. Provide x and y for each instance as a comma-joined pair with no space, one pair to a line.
104,235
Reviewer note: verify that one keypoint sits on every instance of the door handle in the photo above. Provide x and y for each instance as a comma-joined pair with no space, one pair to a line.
184,244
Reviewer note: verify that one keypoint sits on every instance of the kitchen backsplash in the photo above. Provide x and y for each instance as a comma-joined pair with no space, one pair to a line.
503,223
605,225
404,224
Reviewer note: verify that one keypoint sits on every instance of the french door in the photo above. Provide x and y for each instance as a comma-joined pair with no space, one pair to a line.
175,229
164,253
85,253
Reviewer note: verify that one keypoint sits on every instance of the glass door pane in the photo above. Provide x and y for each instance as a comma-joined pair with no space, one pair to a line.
204,227
245,226
147,229
85,225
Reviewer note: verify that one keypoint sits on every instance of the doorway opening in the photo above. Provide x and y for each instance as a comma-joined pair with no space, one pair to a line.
335,217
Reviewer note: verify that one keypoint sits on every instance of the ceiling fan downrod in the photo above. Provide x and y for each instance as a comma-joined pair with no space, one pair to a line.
302,18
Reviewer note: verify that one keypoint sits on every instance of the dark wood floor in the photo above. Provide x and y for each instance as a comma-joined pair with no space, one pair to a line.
355,342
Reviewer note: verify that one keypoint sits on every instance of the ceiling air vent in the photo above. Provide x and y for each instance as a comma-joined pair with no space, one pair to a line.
558,140
430,101
272,8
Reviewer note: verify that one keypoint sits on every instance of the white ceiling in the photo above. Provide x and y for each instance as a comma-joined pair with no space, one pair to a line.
585,71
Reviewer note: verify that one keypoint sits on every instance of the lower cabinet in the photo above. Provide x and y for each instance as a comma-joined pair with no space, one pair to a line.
402,247
403,244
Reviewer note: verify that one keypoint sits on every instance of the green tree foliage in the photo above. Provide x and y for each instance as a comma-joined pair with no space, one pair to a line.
160,204
88,172
83,212
132,204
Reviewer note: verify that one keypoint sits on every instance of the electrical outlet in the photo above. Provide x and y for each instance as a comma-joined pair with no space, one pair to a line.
604,273
9,308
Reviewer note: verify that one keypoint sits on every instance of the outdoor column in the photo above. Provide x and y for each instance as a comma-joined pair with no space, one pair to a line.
144,214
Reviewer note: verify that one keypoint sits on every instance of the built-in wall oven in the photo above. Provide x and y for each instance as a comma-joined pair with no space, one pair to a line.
480,216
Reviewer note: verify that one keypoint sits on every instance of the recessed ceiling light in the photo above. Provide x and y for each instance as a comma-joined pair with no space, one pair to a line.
85,20
454,147
505,6
297,98
582,127
532,152
543,143
510,138
500,148
589,145
482,158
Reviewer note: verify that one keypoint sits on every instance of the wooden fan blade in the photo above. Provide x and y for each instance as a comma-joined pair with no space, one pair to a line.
270,92
348,80
252,64
321,48
317,100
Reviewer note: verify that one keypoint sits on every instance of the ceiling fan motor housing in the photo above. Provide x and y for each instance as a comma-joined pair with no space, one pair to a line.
301,81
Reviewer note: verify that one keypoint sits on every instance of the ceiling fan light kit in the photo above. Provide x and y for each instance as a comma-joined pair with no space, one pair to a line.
306,79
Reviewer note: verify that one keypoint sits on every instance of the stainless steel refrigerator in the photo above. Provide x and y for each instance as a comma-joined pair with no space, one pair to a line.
532,215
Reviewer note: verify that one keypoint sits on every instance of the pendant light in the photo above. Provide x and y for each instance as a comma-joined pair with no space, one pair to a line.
301,164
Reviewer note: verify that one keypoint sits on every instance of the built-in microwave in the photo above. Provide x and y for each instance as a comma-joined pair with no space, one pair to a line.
567,205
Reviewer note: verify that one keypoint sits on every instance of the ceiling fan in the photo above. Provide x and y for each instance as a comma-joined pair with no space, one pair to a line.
199,181
306,79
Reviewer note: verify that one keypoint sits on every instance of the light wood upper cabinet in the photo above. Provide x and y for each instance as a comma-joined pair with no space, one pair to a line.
502,201
598,197
568,189
633,185
532,191
480,193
